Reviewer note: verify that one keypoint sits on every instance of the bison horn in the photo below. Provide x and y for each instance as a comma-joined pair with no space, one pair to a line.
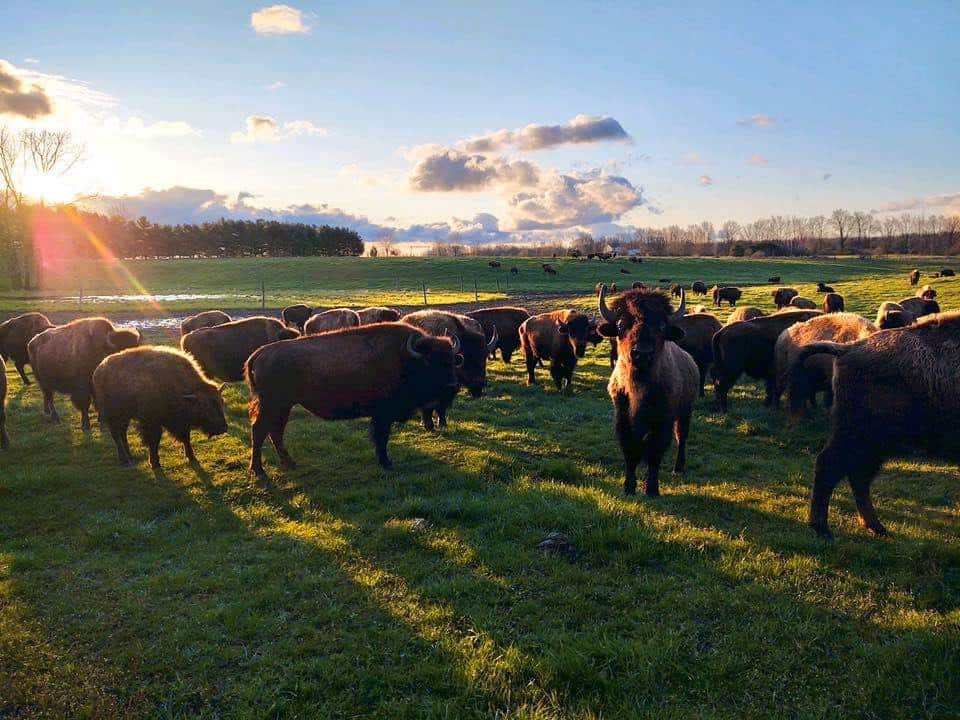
683,306
411,348
455,341
494,339
605,312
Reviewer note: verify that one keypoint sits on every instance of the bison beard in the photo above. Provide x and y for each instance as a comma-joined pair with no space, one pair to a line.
384,372
654,384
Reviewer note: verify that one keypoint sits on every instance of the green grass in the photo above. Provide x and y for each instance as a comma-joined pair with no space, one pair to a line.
321,594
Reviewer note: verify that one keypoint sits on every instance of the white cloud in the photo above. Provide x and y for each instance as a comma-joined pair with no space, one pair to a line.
21,98
31,61
562,201
446,170
759,121
705,180
135,127
581,129
263,128
279,20
278,85
949,201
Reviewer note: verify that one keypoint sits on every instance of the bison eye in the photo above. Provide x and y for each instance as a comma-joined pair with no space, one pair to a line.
458,360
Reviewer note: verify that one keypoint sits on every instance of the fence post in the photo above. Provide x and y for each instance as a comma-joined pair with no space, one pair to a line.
476,291
424,286
80,296
461,282
263,295
498,284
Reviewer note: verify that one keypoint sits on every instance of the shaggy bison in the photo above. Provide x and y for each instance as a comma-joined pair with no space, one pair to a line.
161,388
222,350
947,272
747,347
782,296
747,312
378,314
914,277
824,288
64,358
548,269
15,334
493,264
384,372
699,288
920,306
729,294
654,384
894,391
802,303
891,315
514,271
209,318
296,316
331,320
560,337
804,380
505,322
4,439
833,302
927,292
676,290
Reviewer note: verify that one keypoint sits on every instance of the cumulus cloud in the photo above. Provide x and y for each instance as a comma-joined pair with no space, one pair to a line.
705,180
446,170
136,127
278,85
949,201
561,201
757,160
581,129
263,128
21,98
758,121
279,20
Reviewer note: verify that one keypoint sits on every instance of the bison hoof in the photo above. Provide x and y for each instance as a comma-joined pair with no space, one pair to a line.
653,492
877,528
260,474
629,488
822,531
289,463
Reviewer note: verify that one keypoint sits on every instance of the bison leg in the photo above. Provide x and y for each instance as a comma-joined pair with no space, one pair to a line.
4,438
558,374
628,443
721,386
81,401
442,415
830,468
379,435
188,448
506,355
426,416
771,398
531,367
681,430
49,406
118,431
657,445
860,481
258,434
151,435
21,368
703,377
277,430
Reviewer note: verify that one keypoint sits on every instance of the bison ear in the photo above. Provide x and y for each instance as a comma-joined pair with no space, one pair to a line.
562,328
607,329
674,333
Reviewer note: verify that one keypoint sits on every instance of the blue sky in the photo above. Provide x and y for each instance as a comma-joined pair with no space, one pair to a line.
865,93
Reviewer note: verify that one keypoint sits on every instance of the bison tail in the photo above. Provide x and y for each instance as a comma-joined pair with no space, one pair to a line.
829,348
715,347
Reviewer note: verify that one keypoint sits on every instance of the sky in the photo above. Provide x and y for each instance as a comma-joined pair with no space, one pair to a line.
493,121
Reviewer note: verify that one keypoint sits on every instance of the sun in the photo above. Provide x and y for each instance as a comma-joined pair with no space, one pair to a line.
49,189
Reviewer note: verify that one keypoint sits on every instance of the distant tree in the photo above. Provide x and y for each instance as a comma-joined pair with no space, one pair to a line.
373,251
841,222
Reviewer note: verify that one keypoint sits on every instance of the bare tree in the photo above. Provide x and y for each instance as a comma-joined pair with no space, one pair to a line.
841,221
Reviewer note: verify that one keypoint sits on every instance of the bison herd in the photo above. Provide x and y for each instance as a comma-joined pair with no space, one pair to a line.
890,383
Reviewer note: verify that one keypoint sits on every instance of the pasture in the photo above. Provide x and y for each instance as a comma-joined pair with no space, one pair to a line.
339,590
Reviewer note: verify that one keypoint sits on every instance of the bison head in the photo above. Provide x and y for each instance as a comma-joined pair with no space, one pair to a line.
118,340
472,372
641,320
578,329
431,365
206,409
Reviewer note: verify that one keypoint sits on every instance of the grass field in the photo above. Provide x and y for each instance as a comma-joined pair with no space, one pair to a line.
342,591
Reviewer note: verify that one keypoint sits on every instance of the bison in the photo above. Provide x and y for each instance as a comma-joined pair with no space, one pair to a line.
637,285
947,272
222,350
209,318
4,438
914,277
474,347
730,294
514,270
746,312
15,335
824,288
892,315
654,384
833,303
699,288
927,292
560,337
384,372
331,320
625,271
802,303
494,264
804,380
162,389
747,347
773,280
676,290
920,306
64,358
296,316
894,391
549,270
505,322
378,314
782,296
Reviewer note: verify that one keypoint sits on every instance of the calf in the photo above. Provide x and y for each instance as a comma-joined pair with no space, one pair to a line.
824,288
746,312
222,350
560,337
15,334
914,277
209,318
699,288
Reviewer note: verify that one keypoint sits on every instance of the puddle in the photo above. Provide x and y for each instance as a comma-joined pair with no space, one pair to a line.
152,323
154,298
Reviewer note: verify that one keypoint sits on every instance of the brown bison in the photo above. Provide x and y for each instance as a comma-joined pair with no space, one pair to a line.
804,380
384,372
920,306
505,322
296,316
514,270
947,272
471,344
548,269
891,315
222,350
802,303
378,314
914,277
209,318
637,285
64,358
775,279
16,333
625,271
833,303
331,320
162,389
927,292
560,337
782,296
746,312
730,294
894,391
824,288
654,384
747,347
493,264
699,288
676,290
4,438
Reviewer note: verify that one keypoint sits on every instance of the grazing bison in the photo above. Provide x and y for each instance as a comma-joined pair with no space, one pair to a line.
560,337
676,290
505,322
775,279
892,315
222,350
549,270
746,312
663,280
804,380
4,438
514,270
730,294
802,303
15,335
699,288
384,372
625,271
296,316
493,264
473,346
920,306
654,384
894,391
378,314
914,277
161,388
833,302
747,347
209,318
824,288
927,292
947,272
782,296
64,358
331,320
